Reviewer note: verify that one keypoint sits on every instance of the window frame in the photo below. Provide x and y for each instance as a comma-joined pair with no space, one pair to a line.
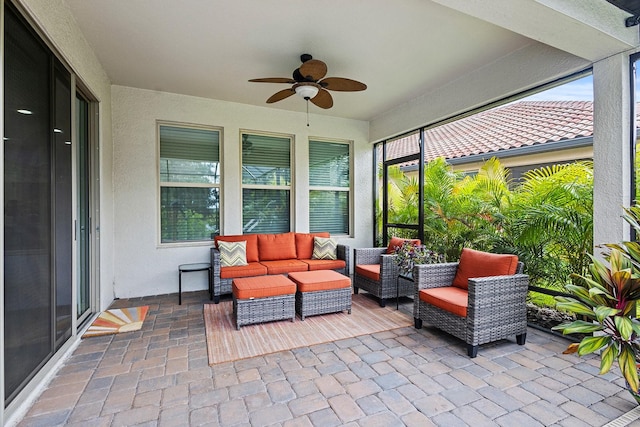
174,184
349,189
290,188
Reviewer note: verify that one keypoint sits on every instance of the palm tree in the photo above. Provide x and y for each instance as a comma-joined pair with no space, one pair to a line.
549,222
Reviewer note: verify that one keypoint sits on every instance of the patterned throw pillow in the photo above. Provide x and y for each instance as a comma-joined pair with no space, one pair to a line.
232,253
324,248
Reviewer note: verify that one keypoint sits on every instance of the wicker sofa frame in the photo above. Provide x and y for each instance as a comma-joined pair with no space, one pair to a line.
223,286
388,286
496,306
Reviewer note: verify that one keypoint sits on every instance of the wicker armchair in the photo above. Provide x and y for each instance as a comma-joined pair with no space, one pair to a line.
383,283
496,305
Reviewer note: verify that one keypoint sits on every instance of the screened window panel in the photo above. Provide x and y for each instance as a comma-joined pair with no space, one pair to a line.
329,211
265,211
266,160
189,213
403,146
328,164
189,155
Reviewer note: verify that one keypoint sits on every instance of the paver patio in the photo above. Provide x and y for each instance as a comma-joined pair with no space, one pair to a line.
160,376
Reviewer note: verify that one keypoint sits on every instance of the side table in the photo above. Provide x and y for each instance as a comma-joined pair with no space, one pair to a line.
186,268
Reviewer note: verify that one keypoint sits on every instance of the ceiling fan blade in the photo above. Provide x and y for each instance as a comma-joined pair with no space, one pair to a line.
342,84
323,99
279,96
274,80
313,69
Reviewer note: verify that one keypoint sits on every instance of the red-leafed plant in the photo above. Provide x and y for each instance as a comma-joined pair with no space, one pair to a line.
607,298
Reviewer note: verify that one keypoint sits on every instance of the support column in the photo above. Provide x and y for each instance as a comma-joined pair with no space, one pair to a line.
611,148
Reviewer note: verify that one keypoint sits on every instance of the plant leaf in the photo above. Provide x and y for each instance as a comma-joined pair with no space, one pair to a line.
591,344
578,326
574,306
628,367
573,347
624,327
609,354
603,312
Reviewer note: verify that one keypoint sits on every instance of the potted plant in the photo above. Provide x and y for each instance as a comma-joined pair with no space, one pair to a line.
409,254
606,299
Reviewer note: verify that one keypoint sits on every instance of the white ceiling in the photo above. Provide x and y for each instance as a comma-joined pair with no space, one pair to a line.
400,48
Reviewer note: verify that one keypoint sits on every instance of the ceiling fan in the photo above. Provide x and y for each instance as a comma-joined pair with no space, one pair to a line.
308,81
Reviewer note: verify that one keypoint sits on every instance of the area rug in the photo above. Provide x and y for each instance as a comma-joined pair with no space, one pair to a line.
225,343
117,320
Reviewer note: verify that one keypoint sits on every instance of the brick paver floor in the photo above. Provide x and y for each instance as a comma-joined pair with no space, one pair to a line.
160,376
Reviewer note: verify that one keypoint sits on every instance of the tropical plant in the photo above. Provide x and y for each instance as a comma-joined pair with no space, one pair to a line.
455,212
607,298
549,222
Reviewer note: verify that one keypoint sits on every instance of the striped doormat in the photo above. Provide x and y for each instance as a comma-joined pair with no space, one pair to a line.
116,320
225,343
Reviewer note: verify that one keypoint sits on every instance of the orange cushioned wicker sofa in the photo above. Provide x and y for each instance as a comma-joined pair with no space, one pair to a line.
267,254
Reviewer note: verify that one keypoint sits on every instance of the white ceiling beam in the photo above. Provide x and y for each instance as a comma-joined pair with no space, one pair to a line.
589,29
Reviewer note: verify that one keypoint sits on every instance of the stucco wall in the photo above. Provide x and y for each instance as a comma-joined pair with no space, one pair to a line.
142,266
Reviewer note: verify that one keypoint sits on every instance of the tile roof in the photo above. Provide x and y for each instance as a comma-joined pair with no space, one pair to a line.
519,124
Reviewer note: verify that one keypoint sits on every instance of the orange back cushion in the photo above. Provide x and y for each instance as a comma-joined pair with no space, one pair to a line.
397,241
304,244
483,264
252,244
274,247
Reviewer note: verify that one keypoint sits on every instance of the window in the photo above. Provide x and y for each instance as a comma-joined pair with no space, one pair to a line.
329,186
266,183
189,183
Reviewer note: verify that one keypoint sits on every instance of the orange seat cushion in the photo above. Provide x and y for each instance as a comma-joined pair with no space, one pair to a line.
304,244
262,287
274,247
397,241
372,271
284,266
452,299
251,269
322,280
252,244
324,264
483,264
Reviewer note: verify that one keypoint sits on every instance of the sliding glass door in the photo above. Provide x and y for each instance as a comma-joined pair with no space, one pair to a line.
83,225
38,220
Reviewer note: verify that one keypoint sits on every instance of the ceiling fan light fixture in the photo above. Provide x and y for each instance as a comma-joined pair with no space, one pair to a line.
306,91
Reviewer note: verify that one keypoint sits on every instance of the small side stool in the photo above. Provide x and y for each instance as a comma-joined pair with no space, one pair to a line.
186,268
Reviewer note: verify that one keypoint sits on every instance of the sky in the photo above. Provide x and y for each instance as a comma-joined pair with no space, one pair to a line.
577,90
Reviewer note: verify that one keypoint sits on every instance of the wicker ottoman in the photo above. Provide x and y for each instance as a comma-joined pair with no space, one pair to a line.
263,299
321,291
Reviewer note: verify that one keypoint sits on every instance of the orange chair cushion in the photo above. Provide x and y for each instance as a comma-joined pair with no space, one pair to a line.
397,241
304,244
311,281
252,244
325,264
483,264
262,287
284,266
451,298
372,271
277,246
251,269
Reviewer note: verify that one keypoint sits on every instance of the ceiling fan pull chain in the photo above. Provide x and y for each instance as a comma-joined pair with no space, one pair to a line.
307,112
